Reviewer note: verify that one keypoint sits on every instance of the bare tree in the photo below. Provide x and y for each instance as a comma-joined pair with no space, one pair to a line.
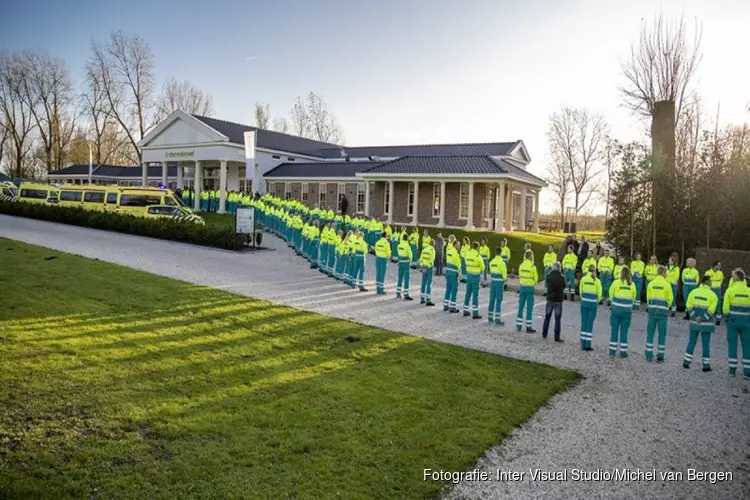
281,124
301,125
262,115
104,134
124,66
185,96
18,121
558,177
576,140
313,119
661,66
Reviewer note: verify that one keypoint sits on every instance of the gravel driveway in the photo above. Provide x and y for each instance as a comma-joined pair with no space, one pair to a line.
625,414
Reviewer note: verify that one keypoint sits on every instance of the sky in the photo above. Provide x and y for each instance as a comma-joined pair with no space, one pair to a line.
403,71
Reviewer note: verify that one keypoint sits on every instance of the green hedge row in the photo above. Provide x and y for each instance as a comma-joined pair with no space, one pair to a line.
208,235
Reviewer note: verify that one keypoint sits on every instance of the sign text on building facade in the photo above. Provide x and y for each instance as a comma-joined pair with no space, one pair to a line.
180,154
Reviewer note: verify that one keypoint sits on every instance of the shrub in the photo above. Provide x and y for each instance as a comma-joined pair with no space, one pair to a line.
166,229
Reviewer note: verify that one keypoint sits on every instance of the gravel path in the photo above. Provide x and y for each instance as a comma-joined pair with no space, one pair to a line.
625,414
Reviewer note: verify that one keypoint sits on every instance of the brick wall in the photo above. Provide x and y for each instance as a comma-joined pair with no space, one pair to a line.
480,195
400,201
425,203
377,198
312,194
296,190
452,204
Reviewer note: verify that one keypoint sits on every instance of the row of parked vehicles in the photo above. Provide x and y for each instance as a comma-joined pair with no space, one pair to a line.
148,202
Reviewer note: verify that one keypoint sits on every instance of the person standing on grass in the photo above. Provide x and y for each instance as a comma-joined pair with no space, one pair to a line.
717,280
591,294
498,275
702,304
452,267
673,278
569,264
736,309
474,267
465,247
382,256
439,254
427,262
527,278
659,298
414,244
606,266
404,264
637,267
484,253
622,294
555,284
549,258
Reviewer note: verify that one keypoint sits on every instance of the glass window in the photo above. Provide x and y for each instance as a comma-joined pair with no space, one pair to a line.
93,197
387,200
112,198
341,193
289,158
70,195
463,201
361,198
6,192
37,194
322,195
163,210
436,199
410,204
139,200
305,188
276,157
287,190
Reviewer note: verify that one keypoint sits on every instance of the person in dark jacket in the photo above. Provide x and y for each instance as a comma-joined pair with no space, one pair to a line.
555,295
439,246
583,251
343,204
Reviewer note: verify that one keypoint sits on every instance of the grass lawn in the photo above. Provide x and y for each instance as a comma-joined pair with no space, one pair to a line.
118,383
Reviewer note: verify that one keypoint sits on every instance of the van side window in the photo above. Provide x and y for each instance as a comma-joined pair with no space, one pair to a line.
160,210
112,198
70,195
7,192
39,194
139,200
168,200
93,197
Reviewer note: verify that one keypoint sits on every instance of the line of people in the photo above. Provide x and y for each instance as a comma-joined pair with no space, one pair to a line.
342,255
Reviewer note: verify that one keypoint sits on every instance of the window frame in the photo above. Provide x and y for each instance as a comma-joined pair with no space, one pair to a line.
322,195
387,201
305,192
436,199
67,192
287,190
361,187
410,200
461,200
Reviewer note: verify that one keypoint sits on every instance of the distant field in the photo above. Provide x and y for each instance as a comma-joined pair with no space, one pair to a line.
121,384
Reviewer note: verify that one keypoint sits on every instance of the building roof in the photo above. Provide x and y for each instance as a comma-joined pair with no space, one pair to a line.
113,171
268,139
483,149
322,169
453,165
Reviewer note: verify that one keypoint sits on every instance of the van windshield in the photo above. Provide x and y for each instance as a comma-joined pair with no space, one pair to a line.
172,201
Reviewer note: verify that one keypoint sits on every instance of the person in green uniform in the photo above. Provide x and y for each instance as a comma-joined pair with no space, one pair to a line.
382,256
736,309
701,304
404,265
427,263
622,295
659,298
498,275
452,268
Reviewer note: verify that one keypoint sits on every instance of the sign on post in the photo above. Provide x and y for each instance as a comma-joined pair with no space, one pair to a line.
244,222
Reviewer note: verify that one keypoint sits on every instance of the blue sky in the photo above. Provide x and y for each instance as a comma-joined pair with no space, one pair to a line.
401,71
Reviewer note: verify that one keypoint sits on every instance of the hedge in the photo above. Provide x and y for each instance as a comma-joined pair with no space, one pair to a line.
186,232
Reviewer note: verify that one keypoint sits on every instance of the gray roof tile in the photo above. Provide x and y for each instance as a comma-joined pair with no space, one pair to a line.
480,149
114,171
321,169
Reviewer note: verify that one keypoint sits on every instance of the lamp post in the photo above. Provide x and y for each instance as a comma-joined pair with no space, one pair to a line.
91,164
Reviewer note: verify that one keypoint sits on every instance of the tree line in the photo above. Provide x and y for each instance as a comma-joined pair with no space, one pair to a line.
47,121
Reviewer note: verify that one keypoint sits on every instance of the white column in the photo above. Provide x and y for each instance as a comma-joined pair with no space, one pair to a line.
441,222
180,176
197,186
415,219
522,215
500,207
390,202
509,208
144,175
164,174
367,198
536,212
223,187
470,222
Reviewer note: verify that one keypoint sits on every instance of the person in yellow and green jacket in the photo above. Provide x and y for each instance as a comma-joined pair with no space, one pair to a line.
341,248
736,310
498,275
426,239
314,244
660,298
323,248
549,258
339,220
618,267
452,267
360,256
588,262
382,256
717,280
427,263
622,294
204,200
347,223
332,242
351,243
650,271
395,239
404,264
637,267
484,252
702,303
569,264
465,247
528,277
673,278
690,278
591,294
606,266
505,255
474,267
414,244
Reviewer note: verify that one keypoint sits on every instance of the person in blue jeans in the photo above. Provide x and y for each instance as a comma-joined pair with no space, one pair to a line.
555,283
